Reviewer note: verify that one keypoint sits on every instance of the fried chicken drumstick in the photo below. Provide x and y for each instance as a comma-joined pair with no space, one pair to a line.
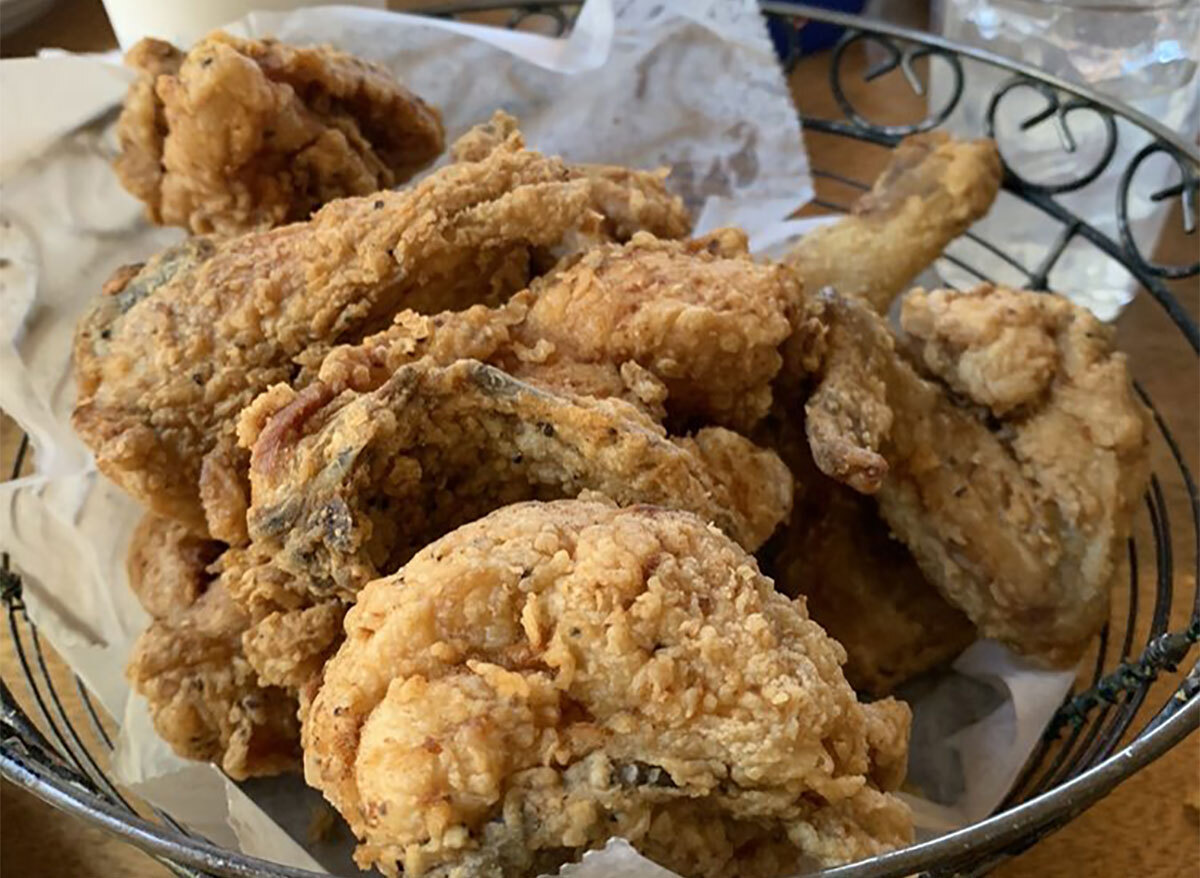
1011,471
174,349
932,190
249,134
554,675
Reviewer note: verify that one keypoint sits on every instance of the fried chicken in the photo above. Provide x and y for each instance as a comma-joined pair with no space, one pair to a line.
859,583
556,674
348,487
932,190
248,134
205,699
629,201
1012,472
143,123
173,350
696,320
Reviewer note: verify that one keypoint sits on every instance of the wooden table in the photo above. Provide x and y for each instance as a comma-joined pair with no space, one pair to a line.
1150,826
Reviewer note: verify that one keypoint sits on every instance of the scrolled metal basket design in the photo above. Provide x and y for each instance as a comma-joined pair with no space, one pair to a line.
1079,761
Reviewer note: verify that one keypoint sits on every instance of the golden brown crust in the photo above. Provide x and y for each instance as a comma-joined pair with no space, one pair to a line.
165,362
142,126
345,488
629,201
168,566
1020,517
555,674
206,700
859,582
243,134
847,417
930,193
698,319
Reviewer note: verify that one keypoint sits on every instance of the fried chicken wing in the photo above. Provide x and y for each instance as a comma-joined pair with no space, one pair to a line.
1013,474
172,352
860,584
556,674
242,134
206,700
345,488
700,317
930,193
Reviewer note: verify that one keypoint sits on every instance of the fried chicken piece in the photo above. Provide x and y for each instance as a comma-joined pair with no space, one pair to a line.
929,194
168,566
249,134
628,200
172,352
346,488
700,317
205,699
557,674
1015,481
143,123
859,583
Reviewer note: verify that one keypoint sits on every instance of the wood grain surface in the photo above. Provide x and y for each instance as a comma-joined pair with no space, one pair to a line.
1150,826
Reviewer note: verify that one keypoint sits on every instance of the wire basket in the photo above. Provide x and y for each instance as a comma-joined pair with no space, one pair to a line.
1078,761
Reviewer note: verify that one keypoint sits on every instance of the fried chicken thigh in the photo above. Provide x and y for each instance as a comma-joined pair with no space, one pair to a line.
693,325
248,134
932,190
348,487
173,350
1012,471
206,700
556,674
860,584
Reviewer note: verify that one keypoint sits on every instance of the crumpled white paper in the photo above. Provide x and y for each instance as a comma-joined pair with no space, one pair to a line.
639,82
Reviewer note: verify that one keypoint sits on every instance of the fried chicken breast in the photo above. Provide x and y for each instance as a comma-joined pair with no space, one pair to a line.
932,190
173,350
205,699
1011,472
249,134
556,674
348,487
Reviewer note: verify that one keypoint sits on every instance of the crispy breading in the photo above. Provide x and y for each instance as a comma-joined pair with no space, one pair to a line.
245,134
1014,483
700,317
629,200
929,194
556,674
143,123
859,583
206,700
347,487
171,353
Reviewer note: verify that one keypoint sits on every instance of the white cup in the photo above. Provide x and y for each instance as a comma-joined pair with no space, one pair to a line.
183,22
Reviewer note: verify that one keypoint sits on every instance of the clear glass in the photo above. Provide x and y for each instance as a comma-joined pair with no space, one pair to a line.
1144,54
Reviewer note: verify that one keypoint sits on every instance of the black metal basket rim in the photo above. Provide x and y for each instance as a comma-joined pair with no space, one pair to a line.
1191,150
1149,122
1168,727
802,10
987,836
